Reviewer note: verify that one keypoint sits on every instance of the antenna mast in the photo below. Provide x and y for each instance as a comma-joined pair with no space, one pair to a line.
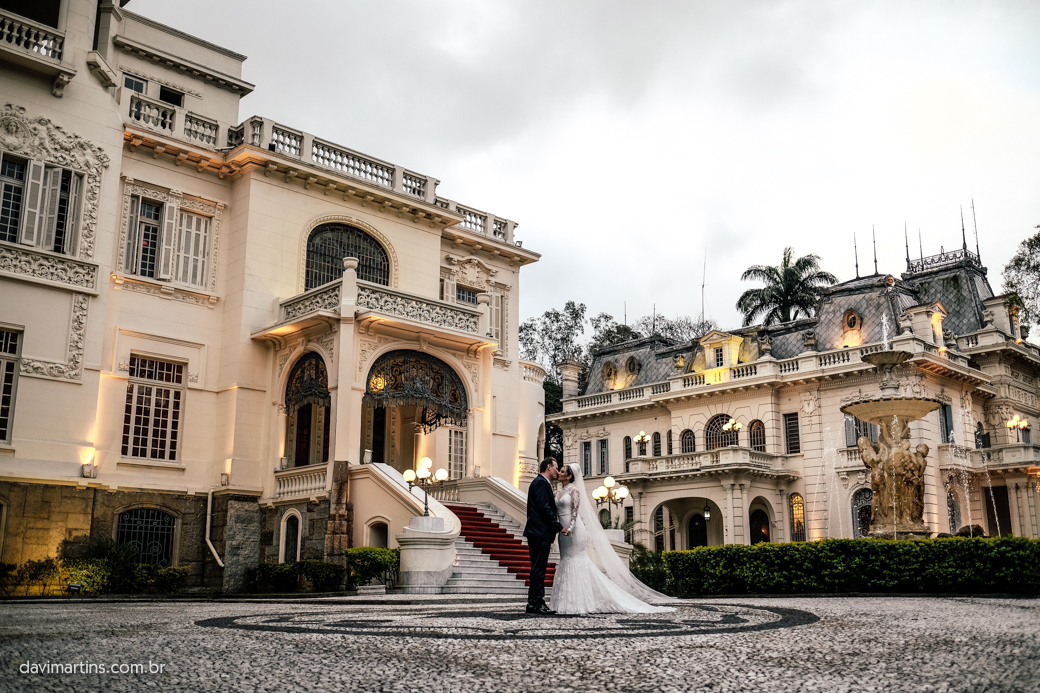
964,237
874,236
920,245
855,250
704,273
906,240
976,223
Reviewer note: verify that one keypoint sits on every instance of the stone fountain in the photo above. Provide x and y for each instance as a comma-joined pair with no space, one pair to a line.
896,471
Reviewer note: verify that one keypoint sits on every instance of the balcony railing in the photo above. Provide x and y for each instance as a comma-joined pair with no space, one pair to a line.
712,460
200,130
153,114
325,297
533,372
29,37
1006,456
301,482
401,305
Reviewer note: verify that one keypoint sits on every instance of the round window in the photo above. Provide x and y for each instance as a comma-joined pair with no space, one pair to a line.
632,365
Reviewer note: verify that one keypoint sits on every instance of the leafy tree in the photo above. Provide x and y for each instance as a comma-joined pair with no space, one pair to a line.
1022,277
683,329
792,289
548,340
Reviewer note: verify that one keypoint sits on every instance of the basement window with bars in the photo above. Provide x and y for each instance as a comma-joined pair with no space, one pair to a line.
154,407
791,436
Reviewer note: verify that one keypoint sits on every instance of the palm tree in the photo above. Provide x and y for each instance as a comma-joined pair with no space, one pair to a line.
791,290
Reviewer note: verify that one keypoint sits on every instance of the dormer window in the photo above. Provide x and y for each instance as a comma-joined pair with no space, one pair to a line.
171,96
718,357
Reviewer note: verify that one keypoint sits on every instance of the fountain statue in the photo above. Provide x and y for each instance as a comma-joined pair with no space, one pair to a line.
896,470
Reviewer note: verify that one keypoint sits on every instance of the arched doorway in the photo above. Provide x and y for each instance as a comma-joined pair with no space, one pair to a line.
862,512
758,522
308,405
408,396
697,531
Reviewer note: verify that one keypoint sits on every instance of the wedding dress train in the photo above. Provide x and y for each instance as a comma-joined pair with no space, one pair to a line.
579,587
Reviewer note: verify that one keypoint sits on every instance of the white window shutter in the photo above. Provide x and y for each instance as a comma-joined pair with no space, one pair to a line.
194,235
72,218
133,244
496,318
168,242
49,218
33,203
449,290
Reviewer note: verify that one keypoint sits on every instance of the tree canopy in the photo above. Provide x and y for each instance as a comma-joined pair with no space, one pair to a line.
1022,277
791,289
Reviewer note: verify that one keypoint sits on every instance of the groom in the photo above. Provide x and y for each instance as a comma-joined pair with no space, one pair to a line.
542,528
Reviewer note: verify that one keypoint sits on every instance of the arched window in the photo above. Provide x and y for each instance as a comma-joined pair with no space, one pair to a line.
757,434
308,405
657,444
797,518
290,537
688,441
378,534
862,512
149,532
715,437
328,244
628,447
954,512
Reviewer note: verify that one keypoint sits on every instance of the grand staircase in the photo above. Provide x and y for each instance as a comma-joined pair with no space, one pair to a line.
491,554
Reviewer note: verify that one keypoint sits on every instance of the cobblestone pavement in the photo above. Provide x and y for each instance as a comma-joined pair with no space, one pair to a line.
414,644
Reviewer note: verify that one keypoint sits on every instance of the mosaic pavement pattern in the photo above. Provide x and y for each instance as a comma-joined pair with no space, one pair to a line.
431,644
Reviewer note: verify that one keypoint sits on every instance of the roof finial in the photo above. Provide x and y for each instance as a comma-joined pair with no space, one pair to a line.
964,237
920,245
855,250
874,236
906,239
976,223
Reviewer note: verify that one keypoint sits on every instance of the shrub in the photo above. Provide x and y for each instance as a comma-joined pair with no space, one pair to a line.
120,561
367,562
281,577
955,565
38,573
649,568
93,574
324,576
157,579
7,578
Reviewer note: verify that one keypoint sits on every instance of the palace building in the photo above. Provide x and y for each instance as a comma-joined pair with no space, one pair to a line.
744,439
223,340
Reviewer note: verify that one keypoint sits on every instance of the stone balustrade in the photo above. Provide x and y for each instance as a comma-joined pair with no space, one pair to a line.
1006,456
301,482
721,459
533,372
152,114
201,130
325,297
26,36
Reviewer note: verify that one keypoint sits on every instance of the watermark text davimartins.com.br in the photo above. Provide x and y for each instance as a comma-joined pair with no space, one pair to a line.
30,667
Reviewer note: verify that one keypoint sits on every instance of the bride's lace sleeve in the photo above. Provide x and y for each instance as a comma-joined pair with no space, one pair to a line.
575,498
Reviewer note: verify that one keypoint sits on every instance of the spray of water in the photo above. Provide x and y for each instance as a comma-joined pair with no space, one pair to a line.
884,330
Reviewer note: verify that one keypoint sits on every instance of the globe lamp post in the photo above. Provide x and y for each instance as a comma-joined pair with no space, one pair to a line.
611,494
424,478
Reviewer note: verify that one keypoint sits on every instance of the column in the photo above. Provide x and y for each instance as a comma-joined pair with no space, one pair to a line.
348,401
781,525
728,535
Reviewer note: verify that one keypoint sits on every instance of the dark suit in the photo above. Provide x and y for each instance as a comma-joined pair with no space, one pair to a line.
542,527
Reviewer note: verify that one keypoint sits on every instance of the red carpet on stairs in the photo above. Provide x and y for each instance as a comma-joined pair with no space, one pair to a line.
498,543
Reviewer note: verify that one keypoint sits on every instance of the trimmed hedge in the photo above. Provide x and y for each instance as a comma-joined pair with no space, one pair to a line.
953,565
368,562
289,577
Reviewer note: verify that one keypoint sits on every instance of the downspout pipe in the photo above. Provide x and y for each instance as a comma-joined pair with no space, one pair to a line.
209,522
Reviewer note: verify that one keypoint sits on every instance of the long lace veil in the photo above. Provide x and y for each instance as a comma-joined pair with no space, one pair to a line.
602,552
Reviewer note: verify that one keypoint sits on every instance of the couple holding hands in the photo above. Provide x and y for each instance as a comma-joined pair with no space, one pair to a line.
579,586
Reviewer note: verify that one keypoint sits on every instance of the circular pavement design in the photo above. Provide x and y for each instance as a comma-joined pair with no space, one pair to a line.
511,624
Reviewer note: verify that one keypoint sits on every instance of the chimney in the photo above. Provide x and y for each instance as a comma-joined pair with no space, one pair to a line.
569,370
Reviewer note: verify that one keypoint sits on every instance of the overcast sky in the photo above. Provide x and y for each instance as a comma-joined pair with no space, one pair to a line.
630,140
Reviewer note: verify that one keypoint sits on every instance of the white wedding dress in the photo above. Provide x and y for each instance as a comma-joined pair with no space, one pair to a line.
579,587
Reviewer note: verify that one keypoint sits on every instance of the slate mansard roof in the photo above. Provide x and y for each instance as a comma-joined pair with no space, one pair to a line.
956,279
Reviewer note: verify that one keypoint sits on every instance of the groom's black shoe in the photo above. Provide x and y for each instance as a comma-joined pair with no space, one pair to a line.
541,610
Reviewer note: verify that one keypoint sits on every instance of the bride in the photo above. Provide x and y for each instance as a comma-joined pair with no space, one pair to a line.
578,586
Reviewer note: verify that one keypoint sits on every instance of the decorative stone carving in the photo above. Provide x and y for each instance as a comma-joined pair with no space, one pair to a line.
988,316
680,362
906,323
366,349
71,370
328,345
193,378
809,340
169,292
416,309
765,344
123,367
997,416
810,404
470,272
39,138
323,300
28,262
